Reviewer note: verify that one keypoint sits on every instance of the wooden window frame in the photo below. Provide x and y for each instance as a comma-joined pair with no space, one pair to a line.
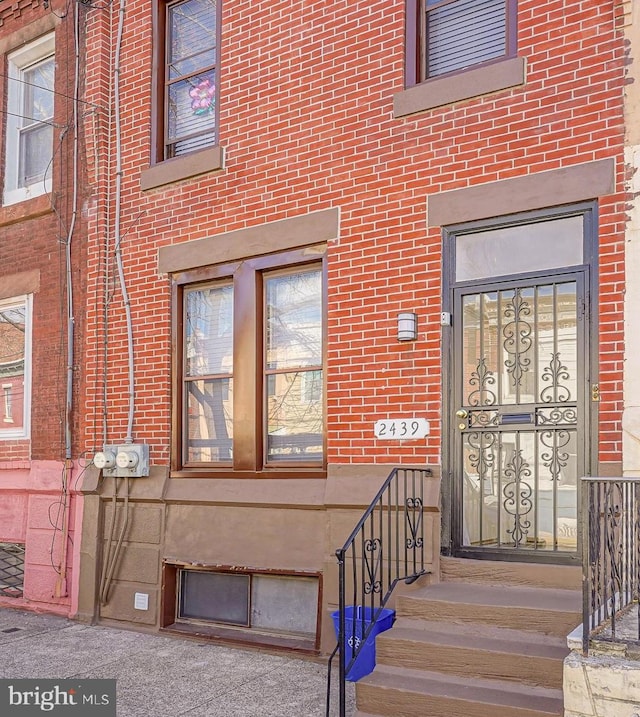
159,119
249,437
415,71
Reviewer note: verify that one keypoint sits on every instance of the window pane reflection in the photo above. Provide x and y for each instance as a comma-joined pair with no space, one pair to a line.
209,353
295,416
293,338
209,331
294,320
210,421
518,249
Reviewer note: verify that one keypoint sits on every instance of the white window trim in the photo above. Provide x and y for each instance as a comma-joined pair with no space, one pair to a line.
36,51
25,430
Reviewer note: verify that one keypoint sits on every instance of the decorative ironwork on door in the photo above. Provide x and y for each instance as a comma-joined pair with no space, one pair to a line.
517,423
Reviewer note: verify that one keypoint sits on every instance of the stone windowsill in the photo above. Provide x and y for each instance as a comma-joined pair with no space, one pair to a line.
464,85
180,168
28,209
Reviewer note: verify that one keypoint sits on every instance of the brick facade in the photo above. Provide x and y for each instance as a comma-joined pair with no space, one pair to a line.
310,121
306,120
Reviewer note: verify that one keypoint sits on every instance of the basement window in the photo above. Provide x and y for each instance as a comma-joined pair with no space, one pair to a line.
243,605
215,597
11,569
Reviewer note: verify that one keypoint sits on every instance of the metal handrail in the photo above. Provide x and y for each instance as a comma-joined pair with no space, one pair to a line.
610,554
385,547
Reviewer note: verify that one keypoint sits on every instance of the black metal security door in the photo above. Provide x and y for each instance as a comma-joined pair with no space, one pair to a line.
519,370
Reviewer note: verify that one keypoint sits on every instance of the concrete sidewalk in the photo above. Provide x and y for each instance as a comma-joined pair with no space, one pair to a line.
161,676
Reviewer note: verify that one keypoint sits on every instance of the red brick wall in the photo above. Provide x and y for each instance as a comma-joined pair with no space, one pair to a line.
33,236
306,119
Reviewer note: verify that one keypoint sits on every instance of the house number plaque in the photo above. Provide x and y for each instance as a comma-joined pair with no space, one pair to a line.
388,429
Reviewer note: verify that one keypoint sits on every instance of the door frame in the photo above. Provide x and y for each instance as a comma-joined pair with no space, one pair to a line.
589,268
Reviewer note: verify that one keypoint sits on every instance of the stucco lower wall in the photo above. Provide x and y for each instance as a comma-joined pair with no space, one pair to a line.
287,526
601,685
32,507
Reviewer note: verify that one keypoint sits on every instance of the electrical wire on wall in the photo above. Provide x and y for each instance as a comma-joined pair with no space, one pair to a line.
115,138
117,219
106,255
72,224
112,552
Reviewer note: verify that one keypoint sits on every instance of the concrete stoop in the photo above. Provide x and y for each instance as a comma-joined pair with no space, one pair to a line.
476,648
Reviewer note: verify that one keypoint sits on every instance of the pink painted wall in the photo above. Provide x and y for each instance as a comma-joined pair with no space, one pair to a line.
31,504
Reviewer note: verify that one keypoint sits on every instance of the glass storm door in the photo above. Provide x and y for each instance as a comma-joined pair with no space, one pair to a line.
519,366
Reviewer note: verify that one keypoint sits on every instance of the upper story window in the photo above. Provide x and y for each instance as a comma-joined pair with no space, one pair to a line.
188,120
29,124
15,366
251,364
453,35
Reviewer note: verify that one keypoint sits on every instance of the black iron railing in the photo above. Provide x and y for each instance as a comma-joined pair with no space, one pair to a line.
385,547
611,558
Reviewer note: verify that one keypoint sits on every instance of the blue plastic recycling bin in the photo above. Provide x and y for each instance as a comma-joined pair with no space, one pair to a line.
354,622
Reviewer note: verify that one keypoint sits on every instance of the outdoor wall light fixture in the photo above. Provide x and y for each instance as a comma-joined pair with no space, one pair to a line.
407,326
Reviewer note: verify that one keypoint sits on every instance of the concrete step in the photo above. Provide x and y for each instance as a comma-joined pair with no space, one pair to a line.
402,692
549,611
479,651
493,572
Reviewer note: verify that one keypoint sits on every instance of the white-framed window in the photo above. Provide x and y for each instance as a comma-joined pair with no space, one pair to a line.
29,136
15,365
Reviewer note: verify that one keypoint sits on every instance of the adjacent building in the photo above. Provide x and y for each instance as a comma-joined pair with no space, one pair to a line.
42,279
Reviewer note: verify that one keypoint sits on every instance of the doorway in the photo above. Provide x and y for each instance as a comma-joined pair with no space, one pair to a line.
519,376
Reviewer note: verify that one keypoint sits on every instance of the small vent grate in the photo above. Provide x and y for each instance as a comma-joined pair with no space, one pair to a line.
11,569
